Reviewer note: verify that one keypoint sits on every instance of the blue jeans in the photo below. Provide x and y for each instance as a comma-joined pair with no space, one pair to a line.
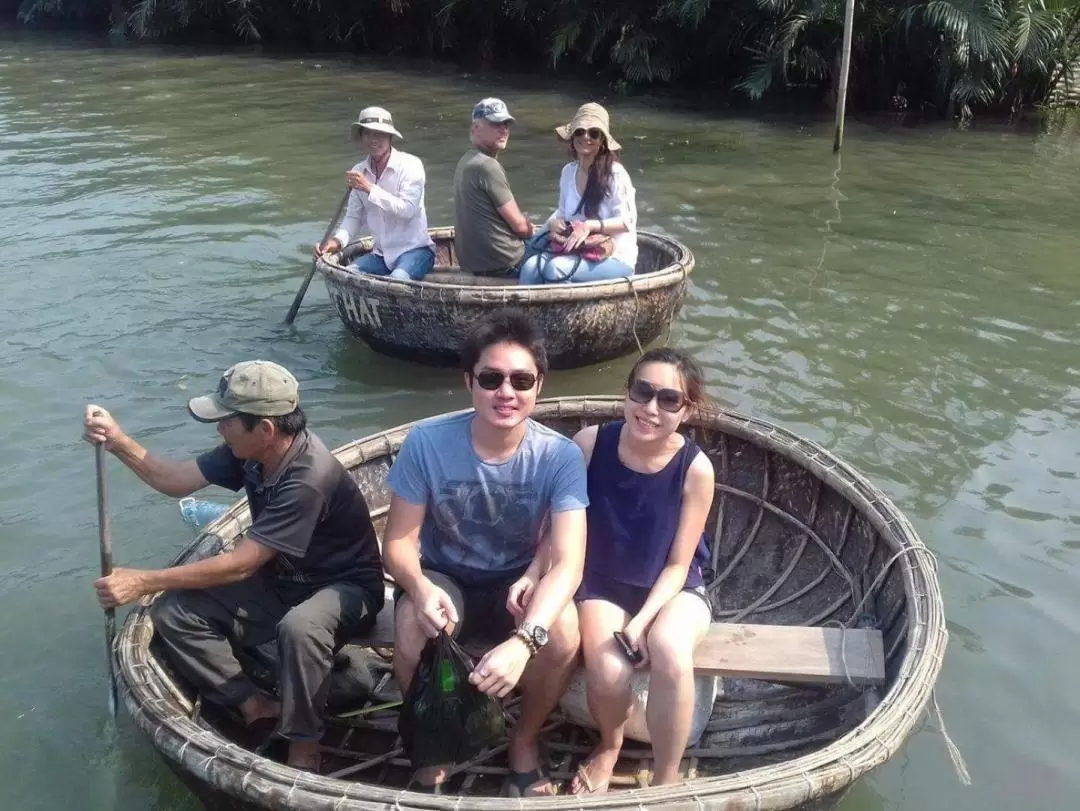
546,268
414,264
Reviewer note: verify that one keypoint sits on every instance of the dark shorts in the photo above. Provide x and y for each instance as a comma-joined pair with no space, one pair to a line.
628,597
481,608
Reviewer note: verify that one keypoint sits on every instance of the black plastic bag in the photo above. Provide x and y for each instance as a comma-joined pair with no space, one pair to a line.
444,718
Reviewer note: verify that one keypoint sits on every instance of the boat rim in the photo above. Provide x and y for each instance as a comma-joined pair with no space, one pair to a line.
678,270
210,757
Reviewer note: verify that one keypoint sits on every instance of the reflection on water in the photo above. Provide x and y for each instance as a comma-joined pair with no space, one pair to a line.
913,306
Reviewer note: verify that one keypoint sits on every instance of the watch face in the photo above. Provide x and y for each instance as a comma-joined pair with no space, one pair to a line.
539,635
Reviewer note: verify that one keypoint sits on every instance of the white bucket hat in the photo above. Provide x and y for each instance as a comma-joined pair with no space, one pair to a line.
589,116
377,119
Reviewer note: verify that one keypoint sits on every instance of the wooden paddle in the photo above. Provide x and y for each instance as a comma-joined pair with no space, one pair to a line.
105,543
307,279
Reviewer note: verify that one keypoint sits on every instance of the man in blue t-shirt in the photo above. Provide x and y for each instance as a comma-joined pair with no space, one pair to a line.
486,537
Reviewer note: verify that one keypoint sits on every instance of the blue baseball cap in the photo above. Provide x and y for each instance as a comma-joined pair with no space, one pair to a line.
493,110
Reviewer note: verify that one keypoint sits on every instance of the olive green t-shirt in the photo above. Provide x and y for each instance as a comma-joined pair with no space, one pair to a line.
484,242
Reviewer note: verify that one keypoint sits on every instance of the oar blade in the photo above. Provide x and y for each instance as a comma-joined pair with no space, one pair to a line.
110,635
307,279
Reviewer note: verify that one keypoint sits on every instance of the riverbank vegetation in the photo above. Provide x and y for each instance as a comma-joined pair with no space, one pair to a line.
943,57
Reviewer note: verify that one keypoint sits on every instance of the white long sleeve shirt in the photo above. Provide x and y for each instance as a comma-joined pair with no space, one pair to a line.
620,201
393,210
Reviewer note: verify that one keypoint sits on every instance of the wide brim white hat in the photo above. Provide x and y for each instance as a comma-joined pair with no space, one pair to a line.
377,119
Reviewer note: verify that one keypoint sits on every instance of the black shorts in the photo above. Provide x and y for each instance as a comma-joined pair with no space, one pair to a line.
481,608
628,597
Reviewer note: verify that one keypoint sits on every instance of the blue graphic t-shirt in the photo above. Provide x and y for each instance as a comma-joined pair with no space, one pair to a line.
484,519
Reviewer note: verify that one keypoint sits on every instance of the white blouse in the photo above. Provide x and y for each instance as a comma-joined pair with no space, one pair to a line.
618,202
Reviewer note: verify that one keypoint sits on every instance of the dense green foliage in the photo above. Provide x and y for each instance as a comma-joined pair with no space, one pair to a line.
942,55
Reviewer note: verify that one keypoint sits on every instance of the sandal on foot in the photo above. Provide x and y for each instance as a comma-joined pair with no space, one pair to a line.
585,781
526,784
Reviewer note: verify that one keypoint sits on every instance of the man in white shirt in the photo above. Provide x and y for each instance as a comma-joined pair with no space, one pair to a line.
387,197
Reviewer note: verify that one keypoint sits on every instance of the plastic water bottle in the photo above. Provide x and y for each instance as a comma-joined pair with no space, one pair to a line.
447,678
197,513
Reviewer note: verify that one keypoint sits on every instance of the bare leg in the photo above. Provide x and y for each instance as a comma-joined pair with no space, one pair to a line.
258,706
304,755
678,629
607,679
542,685
409,642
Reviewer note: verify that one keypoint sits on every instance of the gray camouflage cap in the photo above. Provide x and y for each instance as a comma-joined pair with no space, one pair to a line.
493,110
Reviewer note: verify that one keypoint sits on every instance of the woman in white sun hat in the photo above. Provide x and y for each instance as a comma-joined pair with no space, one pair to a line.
387,199
592,236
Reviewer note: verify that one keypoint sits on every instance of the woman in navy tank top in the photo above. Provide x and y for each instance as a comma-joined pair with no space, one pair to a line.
650,490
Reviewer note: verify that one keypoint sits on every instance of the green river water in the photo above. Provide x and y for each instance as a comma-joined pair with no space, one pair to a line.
915,309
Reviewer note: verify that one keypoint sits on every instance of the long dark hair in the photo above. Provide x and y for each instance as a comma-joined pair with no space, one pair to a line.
598,184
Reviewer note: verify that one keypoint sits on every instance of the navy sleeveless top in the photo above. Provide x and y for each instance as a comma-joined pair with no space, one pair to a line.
633,517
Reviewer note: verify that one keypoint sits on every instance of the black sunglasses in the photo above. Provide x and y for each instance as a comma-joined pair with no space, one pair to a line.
490,380
592,132
669,400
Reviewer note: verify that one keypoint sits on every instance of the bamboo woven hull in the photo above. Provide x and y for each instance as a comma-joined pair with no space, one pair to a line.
796,537
215,800
218,800
584,324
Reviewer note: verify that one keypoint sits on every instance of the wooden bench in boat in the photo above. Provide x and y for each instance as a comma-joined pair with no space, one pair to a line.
780,653
455,275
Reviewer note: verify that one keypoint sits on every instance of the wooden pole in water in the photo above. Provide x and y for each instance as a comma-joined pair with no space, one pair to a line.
307,279
105,548
845,66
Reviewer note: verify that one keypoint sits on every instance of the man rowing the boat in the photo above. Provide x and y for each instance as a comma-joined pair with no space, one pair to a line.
388,198
306,573
472,494
489,227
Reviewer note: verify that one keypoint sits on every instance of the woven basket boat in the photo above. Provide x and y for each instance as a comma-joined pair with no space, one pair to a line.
797,537
426,321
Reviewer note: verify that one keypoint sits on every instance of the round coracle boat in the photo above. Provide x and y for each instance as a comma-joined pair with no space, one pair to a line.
800,542
426,321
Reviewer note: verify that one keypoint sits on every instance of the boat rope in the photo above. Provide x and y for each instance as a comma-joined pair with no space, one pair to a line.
954,751
637,305
955,755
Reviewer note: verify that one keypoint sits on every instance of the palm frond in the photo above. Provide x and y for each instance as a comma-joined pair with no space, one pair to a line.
810,63
564,40
141,17
763,72
978,22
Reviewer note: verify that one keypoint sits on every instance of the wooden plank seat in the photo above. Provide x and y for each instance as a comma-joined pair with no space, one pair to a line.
780,653
453,274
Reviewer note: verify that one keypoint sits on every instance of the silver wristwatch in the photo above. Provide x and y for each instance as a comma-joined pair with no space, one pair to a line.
537,633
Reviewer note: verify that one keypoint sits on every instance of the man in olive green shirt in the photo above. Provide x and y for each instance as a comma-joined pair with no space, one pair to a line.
490,228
